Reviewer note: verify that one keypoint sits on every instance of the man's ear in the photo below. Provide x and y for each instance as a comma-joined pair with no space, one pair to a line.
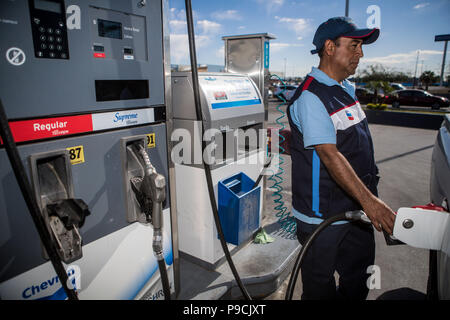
329,47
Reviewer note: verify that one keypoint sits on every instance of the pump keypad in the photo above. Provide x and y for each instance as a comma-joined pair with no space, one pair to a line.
49,30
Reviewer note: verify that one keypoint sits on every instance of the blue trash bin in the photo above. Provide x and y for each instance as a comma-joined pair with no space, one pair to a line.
238,207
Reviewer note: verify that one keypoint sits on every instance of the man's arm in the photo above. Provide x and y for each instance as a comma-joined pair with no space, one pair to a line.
342,172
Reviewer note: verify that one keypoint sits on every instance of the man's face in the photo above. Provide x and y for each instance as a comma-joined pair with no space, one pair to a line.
347,54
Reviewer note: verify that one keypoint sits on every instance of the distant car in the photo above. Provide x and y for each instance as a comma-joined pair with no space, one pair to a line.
416,97
397,86
366,96
285,92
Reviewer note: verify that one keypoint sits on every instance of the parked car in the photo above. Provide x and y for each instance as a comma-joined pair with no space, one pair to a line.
438,284
439,268
366,96
397,86
416,97
285,92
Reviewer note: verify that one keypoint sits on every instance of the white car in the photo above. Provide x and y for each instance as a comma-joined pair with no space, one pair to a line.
397,86
285,92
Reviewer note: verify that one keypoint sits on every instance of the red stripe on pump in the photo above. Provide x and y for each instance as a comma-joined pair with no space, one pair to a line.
37,129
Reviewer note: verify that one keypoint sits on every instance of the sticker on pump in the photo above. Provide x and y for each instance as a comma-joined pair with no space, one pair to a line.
76,154
36,129
220,95
151,143
118,119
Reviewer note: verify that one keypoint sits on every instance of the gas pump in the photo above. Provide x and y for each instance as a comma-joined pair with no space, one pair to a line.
230,104
86,89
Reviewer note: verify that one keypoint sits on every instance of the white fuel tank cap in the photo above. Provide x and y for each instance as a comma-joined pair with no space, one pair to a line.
421,228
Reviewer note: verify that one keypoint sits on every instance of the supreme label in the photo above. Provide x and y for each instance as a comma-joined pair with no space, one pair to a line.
126,118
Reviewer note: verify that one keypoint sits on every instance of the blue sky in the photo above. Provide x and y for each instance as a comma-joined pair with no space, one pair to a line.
406,27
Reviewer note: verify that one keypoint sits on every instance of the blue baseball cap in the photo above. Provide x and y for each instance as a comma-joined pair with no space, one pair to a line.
337,27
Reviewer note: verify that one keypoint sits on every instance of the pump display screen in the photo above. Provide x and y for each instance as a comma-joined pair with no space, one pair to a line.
48,5
109,29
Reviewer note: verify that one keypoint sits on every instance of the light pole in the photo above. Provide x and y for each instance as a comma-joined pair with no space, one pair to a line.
415,72
443,37
346,7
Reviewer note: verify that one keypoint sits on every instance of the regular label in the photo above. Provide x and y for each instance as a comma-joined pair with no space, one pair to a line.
151,140
76,154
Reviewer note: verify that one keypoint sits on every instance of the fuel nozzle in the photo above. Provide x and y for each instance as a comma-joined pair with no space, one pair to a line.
150,191
357,215
151,194
153,187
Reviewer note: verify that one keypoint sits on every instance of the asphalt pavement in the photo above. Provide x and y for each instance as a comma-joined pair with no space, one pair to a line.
403,156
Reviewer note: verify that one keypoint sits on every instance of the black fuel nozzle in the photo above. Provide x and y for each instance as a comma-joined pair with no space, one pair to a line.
145,203
72,212
65,217
150,190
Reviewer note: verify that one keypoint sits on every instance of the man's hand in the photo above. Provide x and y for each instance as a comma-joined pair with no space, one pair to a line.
342,172
380,214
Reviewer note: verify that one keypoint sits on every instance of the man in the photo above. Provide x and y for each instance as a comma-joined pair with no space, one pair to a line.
333,167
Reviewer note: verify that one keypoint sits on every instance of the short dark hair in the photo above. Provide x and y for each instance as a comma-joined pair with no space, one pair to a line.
336,42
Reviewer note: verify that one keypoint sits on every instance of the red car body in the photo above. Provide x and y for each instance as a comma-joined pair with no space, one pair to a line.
416,97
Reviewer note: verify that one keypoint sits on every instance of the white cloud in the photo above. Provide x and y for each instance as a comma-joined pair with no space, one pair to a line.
176,14
178,26
406,61
402,58
271,5
278,46
421,5
179,47
209,27
299,25
226,15
220,53
205,30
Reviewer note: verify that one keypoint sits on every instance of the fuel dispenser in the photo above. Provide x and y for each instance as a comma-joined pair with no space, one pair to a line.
86,88
233,114
249,54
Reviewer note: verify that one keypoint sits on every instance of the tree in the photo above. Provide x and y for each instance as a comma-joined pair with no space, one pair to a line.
378,72
378,86
428,77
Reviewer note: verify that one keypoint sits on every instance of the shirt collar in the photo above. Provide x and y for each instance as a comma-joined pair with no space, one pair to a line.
322,77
